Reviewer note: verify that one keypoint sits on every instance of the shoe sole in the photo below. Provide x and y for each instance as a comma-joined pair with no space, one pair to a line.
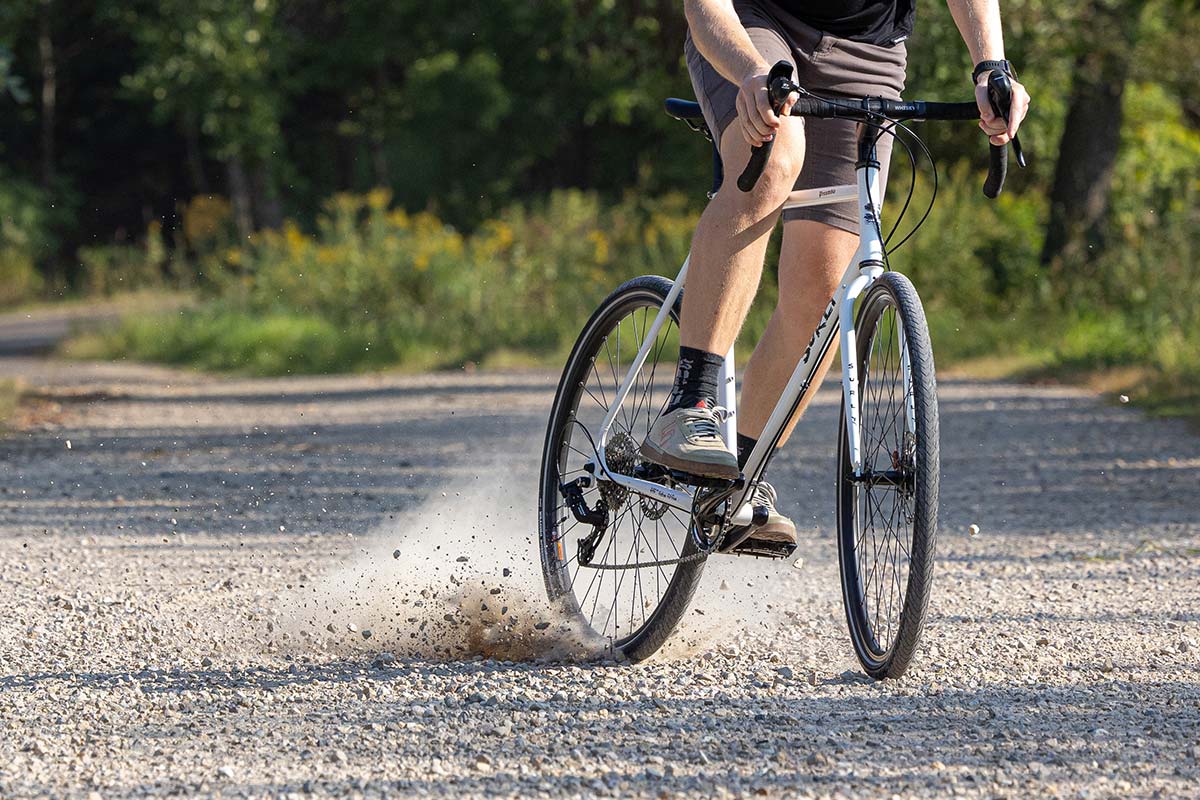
775,532
704,470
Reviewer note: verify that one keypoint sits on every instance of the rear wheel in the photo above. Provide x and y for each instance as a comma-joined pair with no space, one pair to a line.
887,516
622,594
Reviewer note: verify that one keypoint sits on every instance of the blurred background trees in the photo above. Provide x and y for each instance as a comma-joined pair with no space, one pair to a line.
158,140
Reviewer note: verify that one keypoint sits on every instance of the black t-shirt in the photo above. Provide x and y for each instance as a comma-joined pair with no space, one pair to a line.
877,21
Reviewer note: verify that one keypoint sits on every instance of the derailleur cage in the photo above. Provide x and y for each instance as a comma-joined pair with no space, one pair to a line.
596,517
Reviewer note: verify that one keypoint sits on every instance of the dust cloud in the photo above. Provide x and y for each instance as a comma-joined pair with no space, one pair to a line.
460,577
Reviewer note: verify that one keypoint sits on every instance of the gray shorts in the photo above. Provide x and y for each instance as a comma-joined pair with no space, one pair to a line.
825,65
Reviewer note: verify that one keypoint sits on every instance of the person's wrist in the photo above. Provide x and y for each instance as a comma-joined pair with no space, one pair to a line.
755,71
986,67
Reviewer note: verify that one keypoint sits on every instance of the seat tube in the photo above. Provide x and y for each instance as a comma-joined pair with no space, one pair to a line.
727,398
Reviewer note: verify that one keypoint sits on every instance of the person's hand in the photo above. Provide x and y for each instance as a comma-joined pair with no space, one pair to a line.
756,119
991,123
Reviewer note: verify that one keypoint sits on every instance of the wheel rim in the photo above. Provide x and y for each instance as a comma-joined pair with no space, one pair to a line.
617,603
883,503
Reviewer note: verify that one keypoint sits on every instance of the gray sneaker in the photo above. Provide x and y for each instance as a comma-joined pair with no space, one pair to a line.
777,528
689,439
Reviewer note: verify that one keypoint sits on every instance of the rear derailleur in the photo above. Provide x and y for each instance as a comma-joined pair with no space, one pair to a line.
596,517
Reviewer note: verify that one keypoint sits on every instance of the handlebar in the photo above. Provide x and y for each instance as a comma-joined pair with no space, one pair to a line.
871,109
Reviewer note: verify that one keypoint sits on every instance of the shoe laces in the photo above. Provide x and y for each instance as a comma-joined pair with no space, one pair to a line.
764,495
708,425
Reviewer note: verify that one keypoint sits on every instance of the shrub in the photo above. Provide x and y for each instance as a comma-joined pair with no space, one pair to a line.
25,238
374,286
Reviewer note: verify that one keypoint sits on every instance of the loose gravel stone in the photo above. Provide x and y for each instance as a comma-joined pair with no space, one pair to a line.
1059,659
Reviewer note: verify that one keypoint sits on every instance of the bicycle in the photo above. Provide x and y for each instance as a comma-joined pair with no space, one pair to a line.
632,517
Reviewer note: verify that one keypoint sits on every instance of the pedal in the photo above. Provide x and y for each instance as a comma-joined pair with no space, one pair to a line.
735,536
761,548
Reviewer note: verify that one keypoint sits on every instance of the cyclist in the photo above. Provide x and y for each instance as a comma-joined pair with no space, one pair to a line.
836,47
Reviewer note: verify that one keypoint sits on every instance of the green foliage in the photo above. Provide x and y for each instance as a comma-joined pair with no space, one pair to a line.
25,238
376,286
211,64
476,117
113,269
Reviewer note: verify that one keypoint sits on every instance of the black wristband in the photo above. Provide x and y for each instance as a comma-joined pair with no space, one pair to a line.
991,66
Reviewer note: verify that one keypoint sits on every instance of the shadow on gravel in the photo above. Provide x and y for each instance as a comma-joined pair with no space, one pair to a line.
1023,464
365,671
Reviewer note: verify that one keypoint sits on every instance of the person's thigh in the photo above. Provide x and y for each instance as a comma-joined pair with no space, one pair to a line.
812,260
832,67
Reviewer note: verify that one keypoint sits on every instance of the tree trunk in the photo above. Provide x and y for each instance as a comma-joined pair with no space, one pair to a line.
378,145
1091,138
49,69
195,157
239,196
268,211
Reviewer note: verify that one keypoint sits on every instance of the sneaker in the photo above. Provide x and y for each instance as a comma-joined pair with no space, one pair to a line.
777,528
689,439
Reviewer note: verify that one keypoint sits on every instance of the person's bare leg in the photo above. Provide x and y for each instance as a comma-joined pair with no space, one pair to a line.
812,260
725,267
731,240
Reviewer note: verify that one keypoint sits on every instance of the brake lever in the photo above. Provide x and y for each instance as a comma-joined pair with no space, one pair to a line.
1000,96
779,75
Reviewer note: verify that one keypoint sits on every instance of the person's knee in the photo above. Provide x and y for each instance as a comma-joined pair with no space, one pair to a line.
778,176
782,169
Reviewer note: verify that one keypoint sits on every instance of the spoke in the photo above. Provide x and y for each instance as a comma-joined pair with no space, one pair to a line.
653,370
563,534
597,575
600,382
619,378
687,530
603,406
617,588
894,599
636,393
613,368
586,456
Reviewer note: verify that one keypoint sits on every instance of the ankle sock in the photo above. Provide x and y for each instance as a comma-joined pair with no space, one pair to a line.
745,446
696,378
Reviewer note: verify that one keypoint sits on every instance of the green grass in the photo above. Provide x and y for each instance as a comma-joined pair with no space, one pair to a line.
1112,356
372,287
220,340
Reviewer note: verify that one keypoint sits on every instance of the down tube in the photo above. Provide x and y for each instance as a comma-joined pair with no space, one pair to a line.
798,386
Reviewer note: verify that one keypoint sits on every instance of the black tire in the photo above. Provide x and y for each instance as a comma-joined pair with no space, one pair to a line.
670,587
892,517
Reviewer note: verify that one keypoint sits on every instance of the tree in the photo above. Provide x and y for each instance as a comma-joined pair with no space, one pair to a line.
1091,137
211,69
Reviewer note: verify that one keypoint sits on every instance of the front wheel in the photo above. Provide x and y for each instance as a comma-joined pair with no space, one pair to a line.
887,512
643,568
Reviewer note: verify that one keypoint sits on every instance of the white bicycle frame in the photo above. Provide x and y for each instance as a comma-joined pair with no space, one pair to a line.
866,266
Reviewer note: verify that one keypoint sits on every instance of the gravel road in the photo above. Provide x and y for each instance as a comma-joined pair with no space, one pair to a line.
275,588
